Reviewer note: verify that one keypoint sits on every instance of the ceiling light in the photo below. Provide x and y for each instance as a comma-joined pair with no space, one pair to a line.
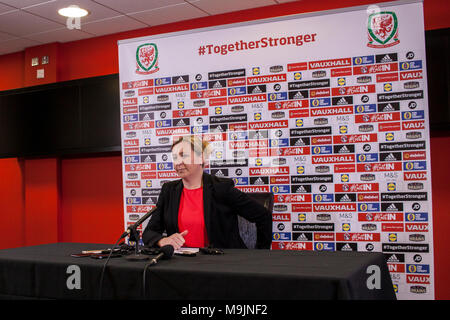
73,12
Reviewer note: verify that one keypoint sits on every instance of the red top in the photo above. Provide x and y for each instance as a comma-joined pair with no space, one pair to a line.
191,218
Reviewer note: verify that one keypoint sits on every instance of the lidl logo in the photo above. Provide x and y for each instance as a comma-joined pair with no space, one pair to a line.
391,186
389,136
343,129
392,237
255,71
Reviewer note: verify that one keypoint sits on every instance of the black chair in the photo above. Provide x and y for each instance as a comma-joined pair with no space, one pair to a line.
247,229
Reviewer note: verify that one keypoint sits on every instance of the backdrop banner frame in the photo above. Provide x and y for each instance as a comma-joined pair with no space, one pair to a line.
328,110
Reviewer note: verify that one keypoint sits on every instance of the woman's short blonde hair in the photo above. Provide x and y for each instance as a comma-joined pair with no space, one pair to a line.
199,146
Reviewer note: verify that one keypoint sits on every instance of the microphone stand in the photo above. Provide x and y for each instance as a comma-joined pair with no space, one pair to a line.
137,256
134,236
132,231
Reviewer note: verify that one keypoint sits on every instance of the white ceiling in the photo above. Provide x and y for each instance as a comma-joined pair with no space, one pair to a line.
27,23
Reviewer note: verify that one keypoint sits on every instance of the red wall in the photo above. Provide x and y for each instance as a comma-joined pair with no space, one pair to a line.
80,199
91,195
11,76
41,201
12,203
440,180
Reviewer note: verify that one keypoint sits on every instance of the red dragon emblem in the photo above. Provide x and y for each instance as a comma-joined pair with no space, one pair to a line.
382,30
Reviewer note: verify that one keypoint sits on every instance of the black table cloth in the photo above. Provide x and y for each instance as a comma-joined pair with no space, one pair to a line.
42,272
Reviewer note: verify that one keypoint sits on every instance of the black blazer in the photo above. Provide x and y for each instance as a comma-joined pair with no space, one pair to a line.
221,204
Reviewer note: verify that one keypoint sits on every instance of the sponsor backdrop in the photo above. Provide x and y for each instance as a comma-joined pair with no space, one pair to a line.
328,111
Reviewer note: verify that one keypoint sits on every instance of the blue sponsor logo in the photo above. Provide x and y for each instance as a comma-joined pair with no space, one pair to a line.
323,197
238,135
235,91
279,142
276,96
199,86
414,165
322,150
410,65
418,268
163,123
368,207
363,60
132,159
365,108
320,102
324,246
165,166
416,216
240,181
280,189
133,200
413,115
199,129
130,118
163,81
281,236
367,157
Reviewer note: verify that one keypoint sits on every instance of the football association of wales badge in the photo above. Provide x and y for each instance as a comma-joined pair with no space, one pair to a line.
382,30
147,58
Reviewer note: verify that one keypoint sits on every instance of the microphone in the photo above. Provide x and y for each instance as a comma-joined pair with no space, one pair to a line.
166,252
134,226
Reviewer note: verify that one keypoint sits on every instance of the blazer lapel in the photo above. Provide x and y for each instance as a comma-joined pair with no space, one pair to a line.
207,196
175,205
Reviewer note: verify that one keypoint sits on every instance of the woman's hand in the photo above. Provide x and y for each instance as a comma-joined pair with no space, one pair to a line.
176,240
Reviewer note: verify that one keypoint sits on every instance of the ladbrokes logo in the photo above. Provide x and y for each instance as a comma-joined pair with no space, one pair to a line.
147,58
382,30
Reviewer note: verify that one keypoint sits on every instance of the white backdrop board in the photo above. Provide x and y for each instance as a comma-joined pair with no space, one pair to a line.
329,111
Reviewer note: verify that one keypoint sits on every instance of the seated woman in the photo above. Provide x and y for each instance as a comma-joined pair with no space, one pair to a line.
201,210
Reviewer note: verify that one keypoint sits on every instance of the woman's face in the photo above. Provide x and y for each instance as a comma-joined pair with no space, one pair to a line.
186,162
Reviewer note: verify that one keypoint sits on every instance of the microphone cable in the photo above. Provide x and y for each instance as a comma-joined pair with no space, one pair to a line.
106,262
167,252
143,279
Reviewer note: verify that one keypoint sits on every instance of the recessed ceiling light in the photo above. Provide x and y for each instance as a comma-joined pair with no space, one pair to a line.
73,11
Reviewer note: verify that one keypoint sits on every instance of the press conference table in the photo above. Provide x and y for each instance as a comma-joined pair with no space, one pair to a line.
42,272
